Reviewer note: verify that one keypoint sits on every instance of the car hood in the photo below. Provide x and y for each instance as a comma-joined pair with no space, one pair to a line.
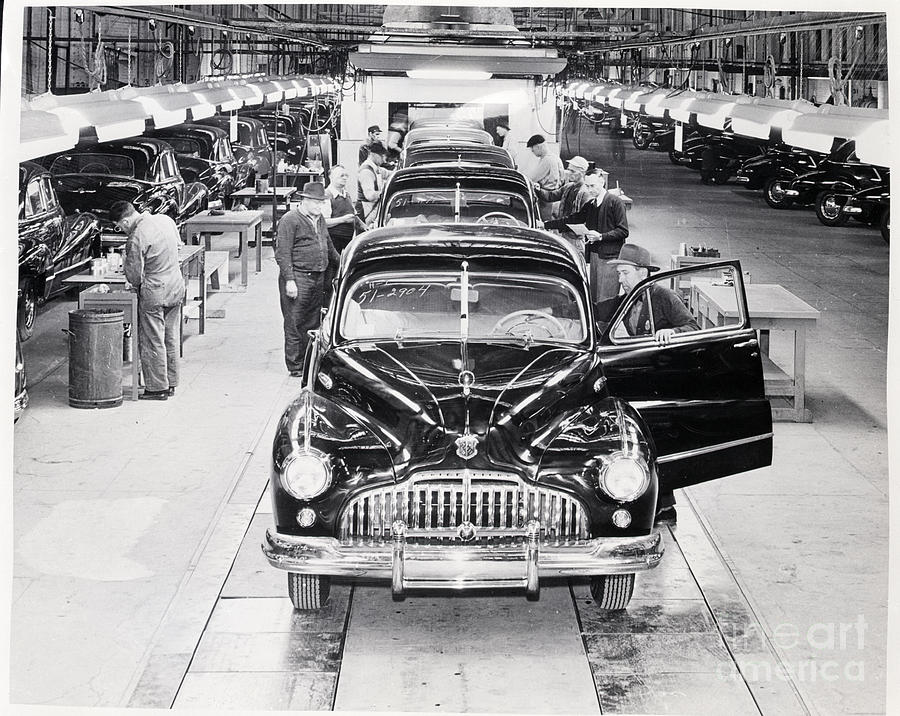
411,396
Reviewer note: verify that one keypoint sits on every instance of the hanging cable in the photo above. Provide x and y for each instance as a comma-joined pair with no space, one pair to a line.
94,62
128,55
769,70
51,17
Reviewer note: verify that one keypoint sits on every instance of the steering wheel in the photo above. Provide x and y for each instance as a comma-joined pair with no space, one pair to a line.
94,168
508,323
492,218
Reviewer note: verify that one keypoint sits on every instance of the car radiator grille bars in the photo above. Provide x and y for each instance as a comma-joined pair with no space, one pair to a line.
435,504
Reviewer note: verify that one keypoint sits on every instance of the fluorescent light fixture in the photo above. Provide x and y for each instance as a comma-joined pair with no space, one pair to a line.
449,74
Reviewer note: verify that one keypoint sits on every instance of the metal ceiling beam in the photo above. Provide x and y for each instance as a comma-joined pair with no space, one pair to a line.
781,23
186,17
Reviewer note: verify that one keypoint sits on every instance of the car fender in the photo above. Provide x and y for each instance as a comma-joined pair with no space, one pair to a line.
196,195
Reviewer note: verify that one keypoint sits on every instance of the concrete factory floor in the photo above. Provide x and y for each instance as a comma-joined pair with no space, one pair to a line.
138,578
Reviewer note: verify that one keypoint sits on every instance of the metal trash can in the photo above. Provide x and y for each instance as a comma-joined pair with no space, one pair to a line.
95,358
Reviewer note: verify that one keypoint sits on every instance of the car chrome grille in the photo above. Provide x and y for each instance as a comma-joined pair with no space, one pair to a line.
433,505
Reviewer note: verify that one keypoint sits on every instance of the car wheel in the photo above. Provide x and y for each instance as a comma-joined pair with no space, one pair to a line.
830,209
27,312
612,592
773,191
308,592
640,140
677,158
885,225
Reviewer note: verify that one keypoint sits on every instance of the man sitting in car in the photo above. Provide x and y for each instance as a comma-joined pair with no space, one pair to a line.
669,314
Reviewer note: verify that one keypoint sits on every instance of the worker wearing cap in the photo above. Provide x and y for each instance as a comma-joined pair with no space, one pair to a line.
547,173
568,194
603,213
374,137
306,263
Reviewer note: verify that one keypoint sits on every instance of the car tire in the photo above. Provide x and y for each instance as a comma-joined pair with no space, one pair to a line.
677,158
640,140
773,192
830,209
308,592
27,312
885,226
612,592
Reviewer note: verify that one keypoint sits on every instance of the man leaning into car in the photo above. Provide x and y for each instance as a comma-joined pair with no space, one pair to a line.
306,261
151,267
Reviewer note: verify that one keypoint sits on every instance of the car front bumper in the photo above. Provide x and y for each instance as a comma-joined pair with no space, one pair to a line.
458,565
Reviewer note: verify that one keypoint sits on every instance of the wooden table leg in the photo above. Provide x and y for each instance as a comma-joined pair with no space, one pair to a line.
244,250
803,415
259,247
201,272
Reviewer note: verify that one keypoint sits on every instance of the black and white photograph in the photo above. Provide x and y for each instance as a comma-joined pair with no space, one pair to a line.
276,445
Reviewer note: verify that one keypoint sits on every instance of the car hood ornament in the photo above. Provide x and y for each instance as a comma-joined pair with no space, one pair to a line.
467,446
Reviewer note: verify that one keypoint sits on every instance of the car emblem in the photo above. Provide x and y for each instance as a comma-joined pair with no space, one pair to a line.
466,531
466,446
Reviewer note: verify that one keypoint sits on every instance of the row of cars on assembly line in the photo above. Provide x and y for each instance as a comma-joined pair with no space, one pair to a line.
468,419
838,185
64,198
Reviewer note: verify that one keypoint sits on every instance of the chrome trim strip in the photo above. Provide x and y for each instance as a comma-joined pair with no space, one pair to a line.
712,448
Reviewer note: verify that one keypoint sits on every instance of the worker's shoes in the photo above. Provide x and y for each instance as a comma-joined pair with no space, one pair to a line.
155,395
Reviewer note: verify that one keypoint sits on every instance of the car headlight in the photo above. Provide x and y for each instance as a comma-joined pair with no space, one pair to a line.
624,478
306,475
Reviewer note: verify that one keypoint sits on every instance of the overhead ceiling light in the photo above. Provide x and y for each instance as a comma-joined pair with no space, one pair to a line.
448,74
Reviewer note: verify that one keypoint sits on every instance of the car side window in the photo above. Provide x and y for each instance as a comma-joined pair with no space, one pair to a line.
694,301
34,199
50,202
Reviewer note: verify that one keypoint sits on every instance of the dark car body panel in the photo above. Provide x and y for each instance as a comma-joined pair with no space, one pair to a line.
780,161
501,181
51,244
141,170
841,172
210,161
441,152
252,150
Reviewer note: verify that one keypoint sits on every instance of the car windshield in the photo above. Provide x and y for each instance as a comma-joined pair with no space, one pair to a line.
501,306
93,163
438,205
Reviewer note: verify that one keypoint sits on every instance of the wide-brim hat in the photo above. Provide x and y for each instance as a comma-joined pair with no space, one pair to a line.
634,255
314,190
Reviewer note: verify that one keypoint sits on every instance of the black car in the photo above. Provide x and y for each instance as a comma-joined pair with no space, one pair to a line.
718,156
52,245
204,155
464,422
870,206
438,152
252,151
779,162
458,193
141,170
840,173
284,130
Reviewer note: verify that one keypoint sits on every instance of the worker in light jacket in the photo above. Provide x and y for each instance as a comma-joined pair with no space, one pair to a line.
152,268
307,262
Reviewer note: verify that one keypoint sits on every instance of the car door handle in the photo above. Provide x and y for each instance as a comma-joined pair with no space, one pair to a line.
752,343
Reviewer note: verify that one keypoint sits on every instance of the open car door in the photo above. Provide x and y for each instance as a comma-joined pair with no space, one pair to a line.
701,395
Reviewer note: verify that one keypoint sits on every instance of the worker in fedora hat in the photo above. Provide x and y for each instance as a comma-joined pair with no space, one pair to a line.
307,261
657,311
